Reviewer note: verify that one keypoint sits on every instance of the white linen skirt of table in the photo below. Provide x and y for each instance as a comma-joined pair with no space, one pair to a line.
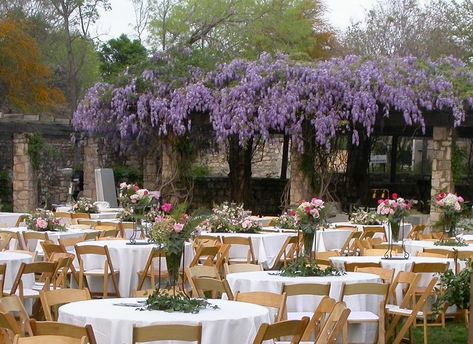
266,246
404,230
272,282
331,239
9,219
232,323
414,246
13,261
128,260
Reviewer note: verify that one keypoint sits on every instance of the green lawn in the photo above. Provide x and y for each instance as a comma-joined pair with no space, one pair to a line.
453,333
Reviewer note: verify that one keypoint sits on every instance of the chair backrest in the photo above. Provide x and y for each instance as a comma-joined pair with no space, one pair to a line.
445,253
208,252
21,219
432,255
109,233
293,328
8,322
386,275
149,268
72,241
49,339
13,305
5,238
241,241
213,285
350,267
384,246
348,246
50,247
80,216
266,299
334,325
88,222
347,228
90,236
46,269
62,215
306,289
187,333
407,281
82,250
200,271
374,252
287,252
32,235
380,289
416,231
320,316
234,268
324,257
206,240
429,267
46,328
57,297
371,231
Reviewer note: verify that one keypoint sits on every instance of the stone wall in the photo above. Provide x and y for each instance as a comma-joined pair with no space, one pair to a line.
25,197
442,177
266,193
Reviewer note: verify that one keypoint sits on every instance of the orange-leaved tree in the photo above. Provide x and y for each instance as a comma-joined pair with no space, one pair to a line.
25,81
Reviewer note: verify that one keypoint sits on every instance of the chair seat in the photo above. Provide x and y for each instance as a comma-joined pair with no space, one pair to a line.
299,315
97,272
395,309
362,316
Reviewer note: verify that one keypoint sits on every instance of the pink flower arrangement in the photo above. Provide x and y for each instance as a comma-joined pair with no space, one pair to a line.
166,207
41,223
449,202
310,212
43,220
395,208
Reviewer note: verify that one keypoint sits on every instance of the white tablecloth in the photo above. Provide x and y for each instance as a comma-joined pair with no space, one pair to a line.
9,219
13,261
266,246
405,229
128,260
232,323
414,246
331,239
269,281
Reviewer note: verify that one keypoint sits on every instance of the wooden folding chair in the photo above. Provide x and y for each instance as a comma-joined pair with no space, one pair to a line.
206,240
386,275
443,252
370,231
13,305
55,298
200,271
87,222
21,219
71,241
45,269
416,232
384,246
29,236
375,252
13,236
49,339
150,270
234,268
334,325
5,239
359,317
76,216
315,290
350,267
213,285
411,314
239,242
64,218
318,319
111,230
347,228
108,270
323,258
287,253
9,326
348,247
91,236
293,328
431,255
266,299
186,333
47,328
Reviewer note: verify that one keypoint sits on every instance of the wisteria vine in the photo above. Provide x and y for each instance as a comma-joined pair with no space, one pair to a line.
249,98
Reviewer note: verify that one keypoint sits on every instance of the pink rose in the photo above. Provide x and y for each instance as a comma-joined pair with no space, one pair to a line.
123,185
460,199
135,187
178,227
166,207
41,223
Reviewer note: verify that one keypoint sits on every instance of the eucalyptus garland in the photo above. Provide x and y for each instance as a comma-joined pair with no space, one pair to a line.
159,301
302,267
455,242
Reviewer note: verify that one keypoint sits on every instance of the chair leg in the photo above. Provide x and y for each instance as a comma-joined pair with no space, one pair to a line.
381,325
425,326
115,284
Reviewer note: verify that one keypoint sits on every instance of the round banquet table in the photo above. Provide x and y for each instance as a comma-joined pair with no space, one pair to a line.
331,239
232,323
266,246
128,260
13,261
271,281
414,246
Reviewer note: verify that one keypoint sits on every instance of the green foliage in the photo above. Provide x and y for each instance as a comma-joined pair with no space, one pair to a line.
199,171
454,289
36,145
118,54
130,174
459,166
452,242
159,301
301,267
6,190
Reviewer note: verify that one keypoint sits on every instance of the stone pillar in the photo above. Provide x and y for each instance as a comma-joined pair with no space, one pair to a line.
25,183
300,184
91,162
442,176
150,172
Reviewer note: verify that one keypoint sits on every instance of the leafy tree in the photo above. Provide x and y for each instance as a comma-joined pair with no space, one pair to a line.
118,54
241,27
402,28
24,79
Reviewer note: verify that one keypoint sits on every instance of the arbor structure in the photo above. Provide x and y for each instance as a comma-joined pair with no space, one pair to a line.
246,101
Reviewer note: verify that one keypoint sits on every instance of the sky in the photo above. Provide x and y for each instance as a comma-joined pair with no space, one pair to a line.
340,14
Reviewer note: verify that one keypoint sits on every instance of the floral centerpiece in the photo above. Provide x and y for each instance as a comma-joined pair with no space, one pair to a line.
132,197
394,210
367,218
84,205
302,267
451,207
309,217
286,221
42,220
230,218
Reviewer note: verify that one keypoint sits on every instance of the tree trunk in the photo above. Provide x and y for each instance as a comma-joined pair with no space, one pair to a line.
239,162
357,178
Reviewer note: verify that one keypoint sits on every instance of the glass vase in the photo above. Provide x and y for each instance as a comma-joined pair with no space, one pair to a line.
308,242
173,263
395,230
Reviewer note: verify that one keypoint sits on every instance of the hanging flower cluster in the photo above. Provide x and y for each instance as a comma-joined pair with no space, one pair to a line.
248,98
